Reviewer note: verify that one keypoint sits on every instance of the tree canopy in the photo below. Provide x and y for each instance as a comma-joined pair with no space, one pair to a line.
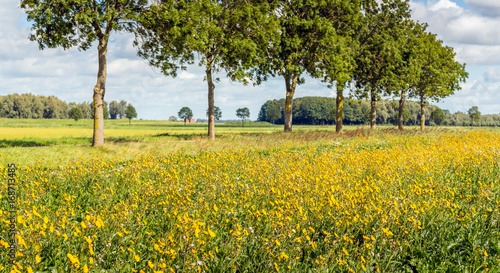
130,112
79,23
226,35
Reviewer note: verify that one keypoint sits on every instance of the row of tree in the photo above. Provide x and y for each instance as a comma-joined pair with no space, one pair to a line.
371,46
321,111
187,113
51,107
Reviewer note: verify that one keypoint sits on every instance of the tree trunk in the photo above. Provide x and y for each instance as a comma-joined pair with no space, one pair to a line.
422,113
340,107
211,107
99,90
373,113
400,114
290,83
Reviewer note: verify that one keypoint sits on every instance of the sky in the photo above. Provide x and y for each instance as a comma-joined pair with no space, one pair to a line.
471,27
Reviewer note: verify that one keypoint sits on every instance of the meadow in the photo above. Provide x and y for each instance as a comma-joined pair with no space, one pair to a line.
257,200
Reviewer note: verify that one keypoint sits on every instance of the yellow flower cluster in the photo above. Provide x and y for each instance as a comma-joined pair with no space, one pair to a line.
382,203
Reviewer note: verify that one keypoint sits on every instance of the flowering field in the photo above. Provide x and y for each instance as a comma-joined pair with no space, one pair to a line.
382,203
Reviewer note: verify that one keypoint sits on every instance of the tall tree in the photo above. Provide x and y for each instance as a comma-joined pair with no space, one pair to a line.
79,23
226,35
375,61
305,33
407,64
339,61
440,74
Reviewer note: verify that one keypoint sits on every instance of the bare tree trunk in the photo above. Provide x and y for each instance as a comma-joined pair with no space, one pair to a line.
291,83
99,90
211,107
373,113
422,113
340,106
400,114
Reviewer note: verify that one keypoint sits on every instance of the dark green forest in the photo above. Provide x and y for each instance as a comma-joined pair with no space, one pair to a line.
51,107
321,111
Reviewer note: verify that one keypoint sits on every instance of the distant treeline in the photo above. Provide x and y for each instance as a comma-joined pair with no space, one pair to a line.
321,111
51,107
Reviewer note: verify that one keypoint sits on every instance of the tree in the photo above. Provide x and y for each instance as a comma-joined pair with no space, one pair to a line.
79,23
76,114
185,113
130,113
375,71
172,118
122,106
305,32
474,114
438,116
217,113
440,74
105,111
243,113
339,62
114,109
403,118
408,64
273,113
226,35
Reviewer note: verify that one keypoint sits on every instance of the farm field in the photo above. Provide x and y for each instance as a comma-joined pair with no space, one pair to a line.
257,201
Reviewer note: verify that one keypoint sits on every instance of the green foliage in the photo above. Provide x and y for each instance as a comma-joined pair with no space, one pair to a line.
78,22
75,113
406,116
438,116
32,106
185,113
474,114
172,118
440,74
243,113
273,113
114,109
130,112
217,113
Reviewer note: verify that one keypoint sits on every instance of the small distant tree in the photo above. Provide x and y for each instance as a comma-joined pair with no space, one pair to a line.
217,113
243,113
273,113
474,114
438,116
114,109
76,114
130,113
172,118
122,106
185,113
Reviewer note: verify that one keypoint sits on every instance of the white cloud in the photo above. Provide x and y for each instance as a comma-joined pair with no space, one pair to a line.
444,4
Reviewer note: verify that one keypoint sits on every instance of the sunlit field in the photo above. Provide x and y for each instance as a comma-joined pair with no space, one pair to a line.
310,201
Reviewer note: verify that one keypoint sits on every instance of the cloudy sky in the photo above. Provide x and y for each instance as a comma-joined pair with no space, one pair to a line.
472,27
